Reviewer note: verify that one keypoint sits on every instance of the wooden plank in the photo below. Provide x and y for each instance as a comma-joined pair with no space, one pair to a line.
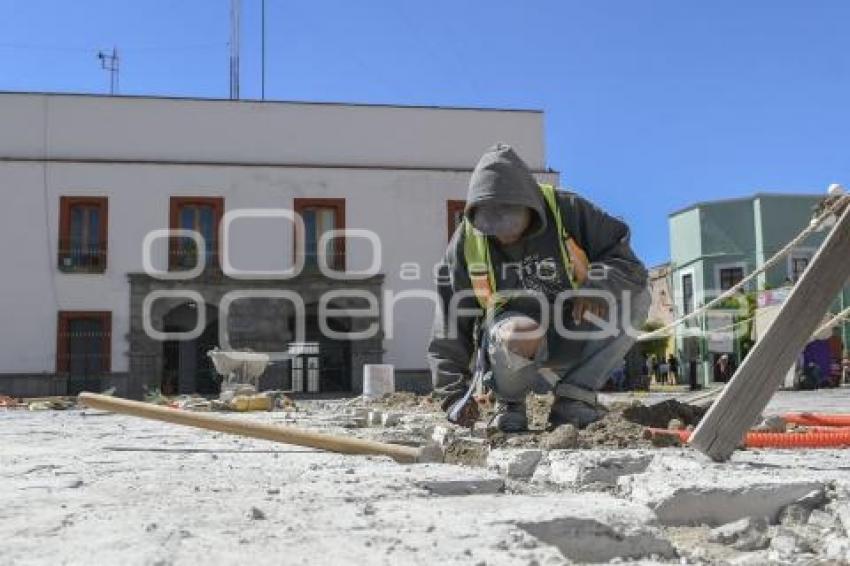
762,372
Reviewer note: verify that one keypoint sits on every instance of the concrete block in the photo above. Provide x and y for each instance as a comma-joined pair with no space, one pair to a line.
514,463
375,418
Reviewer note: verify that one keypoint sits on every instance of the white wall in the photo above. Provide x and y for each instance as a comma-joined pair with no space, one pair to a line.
407,209
136,128
404,205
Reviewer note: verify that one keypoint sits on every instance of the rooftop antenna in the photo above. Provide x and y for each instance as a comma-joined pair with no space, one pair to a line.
111,63
235,8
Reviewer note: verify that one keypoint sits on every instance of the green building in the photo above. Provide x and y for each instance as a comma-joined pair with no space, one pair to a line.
713,245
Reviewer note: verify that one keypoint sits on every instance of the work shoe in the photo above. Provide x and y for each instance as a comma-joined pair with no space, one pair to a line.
574,412
510,417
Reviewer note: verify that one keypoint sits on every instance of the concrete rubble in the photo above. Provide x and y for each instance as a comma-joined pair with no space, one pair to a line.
79,485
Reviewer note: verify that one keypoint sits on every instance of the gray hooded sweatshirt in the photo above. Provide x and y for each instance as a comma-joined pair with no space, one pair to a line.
533,264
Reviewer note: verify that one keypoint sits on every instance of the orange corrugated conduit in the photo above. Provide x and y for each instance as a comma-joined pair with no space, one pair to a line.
837,439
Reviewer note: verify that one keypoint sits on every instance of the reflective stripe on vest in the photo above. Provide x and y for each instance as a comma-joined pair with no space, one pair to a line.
476,251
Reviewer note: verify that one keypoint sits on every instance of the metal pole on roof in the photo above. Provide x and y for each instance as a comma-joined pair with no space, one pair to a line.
263,58
235,8
110,62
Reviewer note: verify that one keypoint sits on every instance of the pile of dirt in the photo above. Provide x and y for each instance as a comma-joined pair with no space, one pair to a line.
613,431
660,414
622,427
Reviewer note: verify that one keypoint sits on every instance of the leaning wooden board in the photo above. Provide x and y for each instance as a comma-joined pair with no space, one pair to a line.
746,395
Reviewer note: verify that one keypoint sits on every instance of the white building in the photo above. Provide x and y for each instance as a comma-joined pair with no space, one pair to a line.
86,178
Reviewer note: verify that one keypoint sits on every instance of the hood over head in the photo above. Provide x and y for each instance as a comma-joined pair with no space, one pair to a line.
502,177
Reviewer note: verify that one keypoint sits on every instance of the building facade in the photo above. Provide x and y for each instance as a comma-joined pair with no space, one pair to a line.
714,245
100,290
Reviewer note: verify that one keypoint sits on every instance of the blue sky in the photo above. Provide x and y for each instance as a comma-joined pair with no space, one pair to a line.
650,105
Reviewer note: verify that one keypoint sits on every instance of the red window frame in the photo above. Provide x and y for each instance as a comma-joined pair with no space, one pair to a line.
63,343
66,203
174,206
338,205
453,207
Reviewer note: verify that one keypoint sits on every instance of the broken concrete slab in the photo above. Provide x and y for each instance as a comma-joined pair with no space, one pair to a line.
582,528
588,540
683,490
578,468
716,504
515,463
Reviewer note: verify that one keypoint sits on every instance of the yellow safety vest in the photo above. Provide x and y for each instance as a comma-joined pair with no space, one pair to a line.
476,251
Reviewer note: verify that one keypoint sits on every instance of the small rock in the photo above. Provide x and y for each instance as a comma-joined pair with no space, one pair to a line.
787,543
731,532
273,491
665,440
565,437
837,548
257,514
795,515
774,423
823,520
751,541
515,463
390,419
442,435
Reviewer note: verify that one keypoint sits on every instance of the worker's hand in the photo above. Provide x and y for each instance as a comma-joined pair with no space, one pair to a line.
585,305
578,262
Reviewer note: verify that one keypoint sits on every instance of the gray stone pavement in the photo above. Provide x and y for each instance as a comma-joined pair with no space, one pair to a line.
82,487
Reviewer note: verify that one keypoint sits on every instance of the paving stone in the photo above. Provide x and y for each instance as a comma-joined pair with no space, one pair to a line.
514,463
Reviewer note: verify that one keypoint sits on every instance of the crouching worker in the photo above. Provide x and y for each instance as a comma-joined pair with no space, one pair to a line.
523,251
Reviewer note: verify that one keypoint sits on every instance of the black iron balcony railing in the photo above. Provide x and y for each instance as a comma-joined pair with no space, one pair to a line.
79,259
